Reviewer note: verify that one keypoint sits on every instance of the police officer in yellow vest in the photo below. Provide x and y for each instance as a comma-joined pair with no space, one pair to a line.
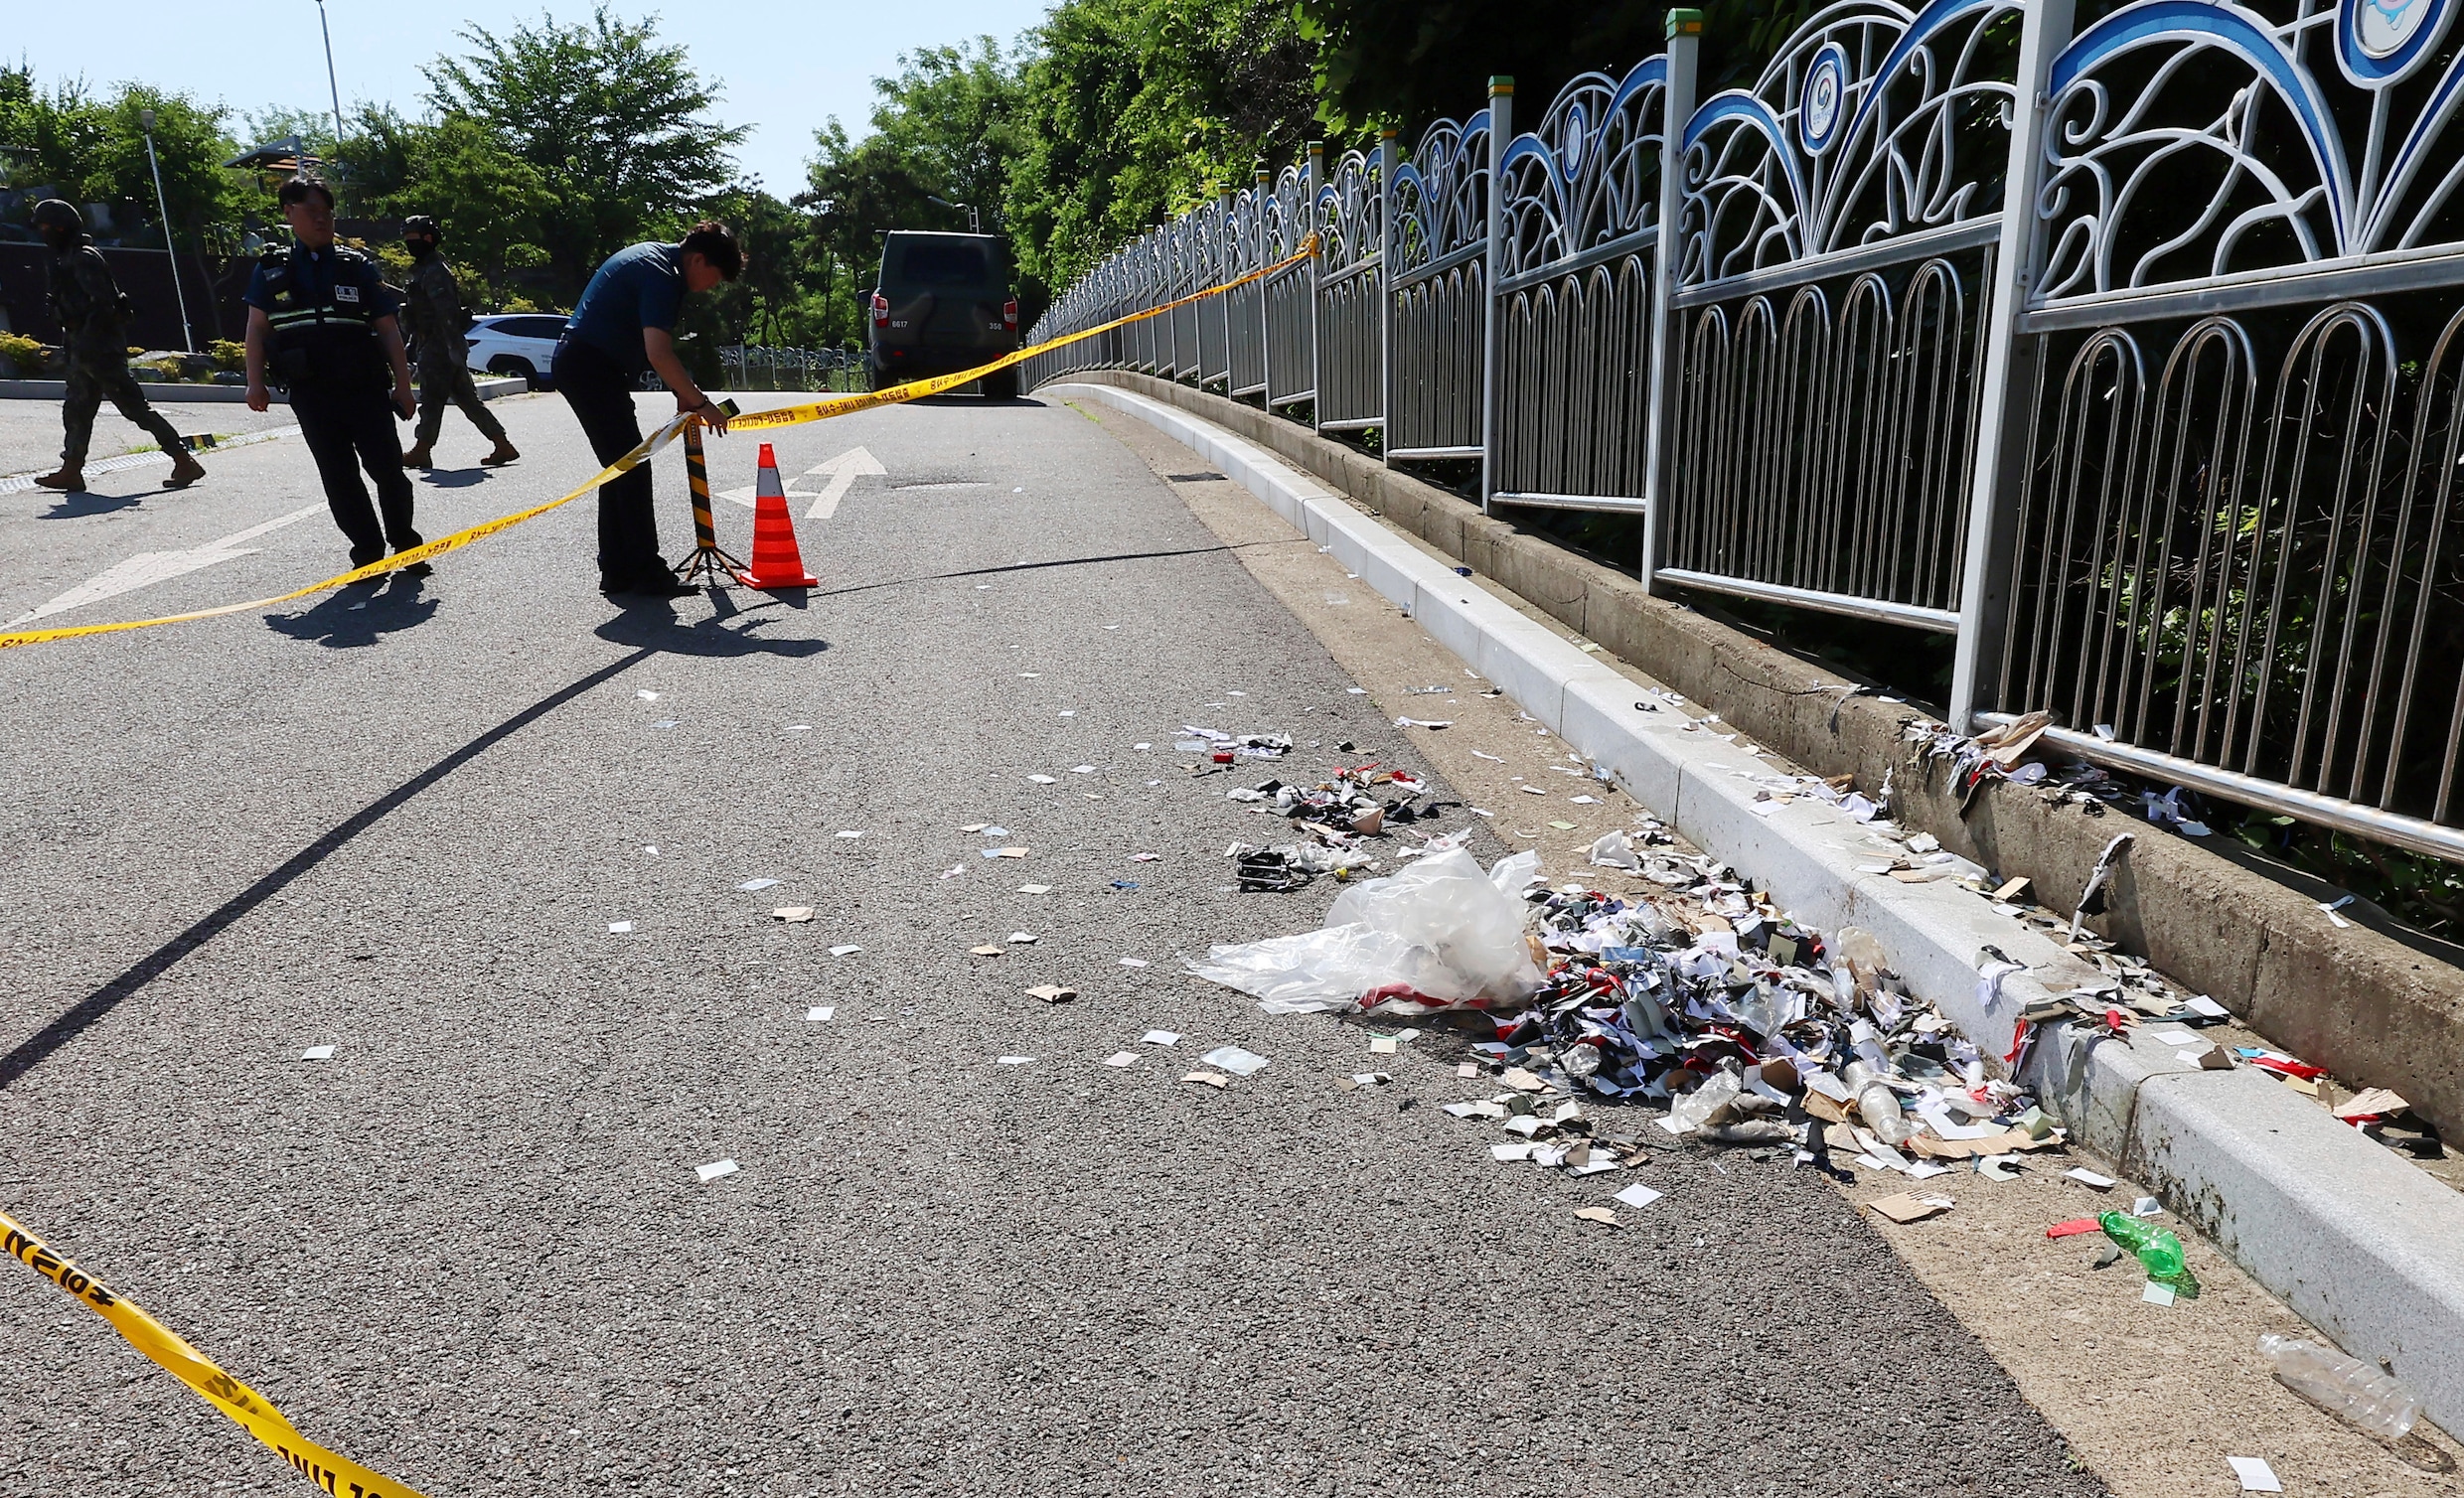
323,324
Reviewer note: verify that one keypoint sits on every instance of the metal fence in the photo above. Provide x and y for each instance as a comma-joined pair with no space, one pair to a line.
2130,356
762,368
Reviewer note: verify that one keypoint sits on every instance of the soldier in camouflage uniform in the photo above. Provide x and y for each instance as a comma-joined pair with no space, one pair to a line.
88,304
433,315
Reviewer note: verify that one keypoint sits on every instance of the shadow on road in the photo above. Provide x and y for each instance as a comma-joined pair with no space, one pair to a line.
349,618
1041,567
453,478
653,626
79,503
86,1013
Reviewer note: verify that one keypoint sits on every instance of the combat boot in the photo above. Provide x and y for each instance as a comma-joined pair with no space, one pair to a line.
185,470
72,478
502,455
417,457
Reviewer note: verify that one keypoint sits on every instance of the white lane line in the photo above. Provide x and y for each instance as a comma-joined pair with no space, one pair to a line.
18,482
844,470
147,568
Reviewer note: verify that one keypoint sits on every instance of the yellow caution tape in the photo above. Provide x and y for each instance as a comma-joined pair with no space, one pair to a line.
786,415
330,1471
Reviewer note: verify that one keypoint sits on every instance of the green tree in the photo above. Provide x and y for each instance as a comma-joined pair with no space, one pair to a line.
1407,62
1133,110
93,150
491,204
614,125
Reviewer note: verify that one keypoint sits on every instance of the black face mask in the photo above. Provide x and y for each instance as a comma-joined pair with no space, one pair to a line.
421,249
59,238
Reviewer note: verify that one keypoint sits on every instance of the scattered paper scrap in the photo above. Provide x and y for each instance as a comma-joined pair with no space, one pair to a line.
1013,1060
619,928
750,885
1604,1215
1052,994
1045,779
317,1053
646,695
1004,853
820,1013
1908,1207
1636,1196
2369,1103
1216,1080
1133,962
1159,1037
851,834
845,949
2256,1476
1233,1059
1023,938
714,1170
1035,889
989,948
1122,1058
793,915
1382,1046
2090,1179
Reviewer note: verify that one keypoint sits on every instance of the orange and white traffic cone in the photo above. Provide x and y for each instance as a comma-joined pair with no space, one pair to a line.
777,563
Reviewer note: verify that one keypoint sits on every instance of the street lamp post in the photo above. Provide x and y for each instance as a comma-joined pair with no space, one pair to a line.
170,246
974,225
332,88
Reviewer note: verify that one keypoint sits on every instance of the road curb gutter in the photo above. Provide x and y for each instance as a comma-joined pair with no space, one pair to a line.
2358,1243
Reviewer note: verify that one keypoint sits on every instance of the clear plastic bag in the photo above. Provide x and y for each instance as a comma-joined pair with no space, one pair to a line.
1438,934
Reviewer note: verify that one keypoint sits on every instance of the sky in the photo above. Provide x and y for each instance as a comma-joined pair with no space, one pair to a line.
783,67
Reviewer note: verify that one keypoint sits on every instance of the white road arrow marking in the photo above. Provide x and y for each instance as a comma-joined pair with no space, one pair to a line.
147,568
844,470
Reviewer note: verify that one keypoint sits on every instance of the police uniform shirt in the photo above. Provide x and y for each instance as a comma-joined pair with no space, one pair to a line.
300,278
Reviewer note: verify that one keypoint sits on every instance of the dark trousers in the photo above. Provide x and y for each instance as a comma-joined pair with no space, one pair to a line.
99,373
600,392
446,380
345,432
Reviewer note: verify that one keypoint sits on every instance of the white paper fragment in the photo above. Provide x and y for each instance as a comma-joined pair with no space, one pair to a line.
2090,1179
820,1013
1637,1195
1519,1151
1133,962
1233,1059
2148,1206
2155,1293
850,837
750,885
714,1170
317,1053
1122,1058
1159,1037
1045,779
844,951
1357,691
2256,1476
1023,938
619,928
646,696
2206,1007
1013,1060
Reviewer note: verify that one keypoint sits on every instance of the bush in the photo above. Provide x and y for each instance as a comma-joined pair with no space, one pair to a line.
24,352
227,355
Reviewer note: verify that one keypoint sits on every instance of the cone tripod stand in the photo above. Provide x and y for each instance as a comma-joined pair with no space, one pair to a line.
777,561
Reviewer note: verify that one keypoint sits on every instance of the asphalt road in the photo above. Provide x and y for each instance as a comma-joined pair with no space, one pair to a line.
471,1249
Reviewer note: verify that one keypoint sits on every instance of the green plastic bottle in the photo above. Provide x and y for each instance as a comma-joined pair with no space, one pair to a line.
2160,1253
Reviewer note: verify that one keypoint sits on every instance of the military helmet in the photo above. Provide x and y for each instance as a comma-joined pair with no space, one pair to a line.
421,223
54,212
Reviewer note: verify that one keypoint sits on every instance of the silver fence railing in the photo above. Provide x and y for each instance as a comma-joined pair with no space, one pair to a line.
2130,359
756,368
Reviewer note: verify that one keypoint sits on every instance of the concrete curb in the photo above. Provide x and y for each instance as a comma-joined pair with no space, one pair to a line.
209,394
2363,1246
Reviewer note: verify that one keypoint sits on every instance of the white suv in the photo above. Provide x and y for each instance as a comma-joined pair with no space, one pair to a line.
517,343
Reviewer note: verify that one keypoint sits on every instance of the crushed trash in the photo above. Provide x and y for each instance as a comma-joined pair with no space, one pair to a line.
820,1013
1907,1207
1052,994
845,949
1603,1215
2158,1251
2375,1402
1638,1196
1233,1059
619,928
793,915
1122,1059
317,1053
715,1170
989,948
2255,1474
1159,1037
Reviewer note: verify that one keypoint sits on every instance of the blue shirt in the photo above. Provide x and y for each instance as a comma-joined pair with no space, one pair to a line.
312,270
642,286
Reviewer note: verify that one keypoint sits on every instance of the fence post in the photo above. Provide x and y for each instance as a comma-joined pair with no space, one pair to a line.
1385,294
1227,266
1500,132
1266,320
1685,44
1315,228
2007,381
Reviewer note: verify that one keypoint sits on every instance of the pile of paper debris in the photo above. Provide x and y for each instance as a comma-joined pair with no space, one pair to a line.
1356,802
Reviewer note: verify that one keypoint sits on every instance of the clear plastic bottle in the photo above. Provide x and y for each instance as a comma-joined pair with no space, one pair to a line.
1877,1104
2359,1392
